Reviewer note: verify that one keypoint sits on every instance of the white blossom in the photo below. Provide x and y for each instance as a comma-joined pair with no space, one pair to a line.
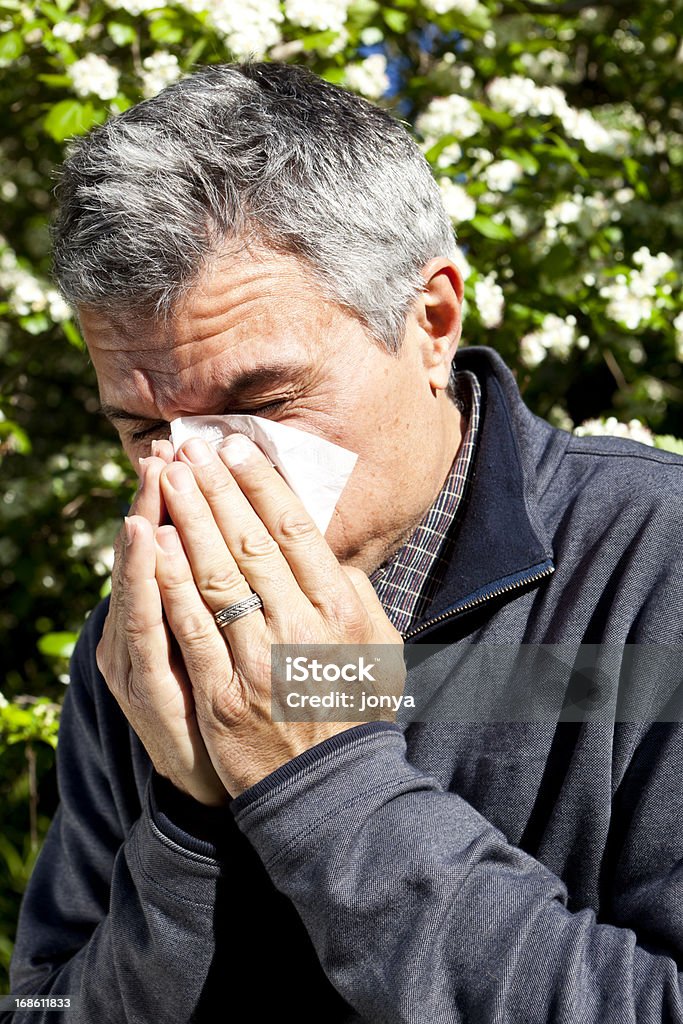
624,196
678,327
488,296
625,307
462,263
104,561
369,77
653,268
93,75
463,74
556,336
548,62
459,205
111,472
449,155
250,27
136,7
448,115
632,298
518,219
634,429
501,176
58,308
321,15
69,31
519,95
160,69
465,7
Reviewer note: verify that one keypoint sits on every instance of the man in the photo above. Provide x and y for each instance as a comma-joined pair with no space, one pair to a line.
255,240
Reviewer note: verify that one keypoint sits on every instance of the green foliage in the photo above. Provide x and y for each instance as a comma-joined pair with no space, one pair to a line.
556,132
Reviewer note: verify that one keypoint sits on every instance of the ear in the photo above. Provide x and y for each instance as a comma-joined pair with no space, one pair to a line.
438,313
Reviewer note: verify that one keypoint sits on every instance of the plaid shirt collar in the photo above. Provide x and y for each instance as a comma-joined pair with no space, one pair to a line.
407,583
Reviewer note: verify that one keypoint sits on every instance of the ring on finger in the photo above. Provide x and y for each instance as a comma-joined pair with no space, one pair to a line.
226,616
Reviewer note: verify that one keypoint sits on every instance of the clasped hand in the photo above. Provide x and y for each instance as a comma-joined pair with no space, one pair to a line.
199,697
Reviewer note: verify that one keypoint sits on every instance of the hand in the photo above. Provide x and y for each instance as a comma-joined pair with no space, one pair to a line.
138,657
236,531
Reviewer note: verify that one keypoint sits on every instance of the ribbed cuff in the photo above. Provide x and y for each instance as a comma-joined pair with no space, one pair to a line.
309,757
188,823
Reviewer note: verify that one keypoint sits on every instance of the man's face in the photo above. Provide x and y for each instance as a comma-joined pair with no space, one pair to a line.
256,336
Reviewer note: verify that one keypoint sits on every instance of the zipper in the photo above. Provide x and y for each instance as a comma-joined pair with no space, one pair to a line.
547,571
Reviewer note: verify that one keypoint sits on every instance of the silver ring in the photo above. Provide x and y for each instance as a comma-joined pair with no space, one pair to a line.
235,611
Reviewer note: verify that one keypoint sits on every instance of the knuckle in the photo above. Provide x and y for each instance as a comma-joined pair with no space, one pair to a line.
195,630
257,543
221,584
293,525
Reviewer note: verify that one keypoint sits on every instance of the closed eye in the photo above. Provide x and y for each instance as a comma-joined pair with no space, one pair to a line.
259,410
161,425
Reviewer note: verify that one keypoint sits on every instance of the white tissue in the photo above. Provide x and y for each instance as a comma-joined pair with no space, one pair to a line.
315,469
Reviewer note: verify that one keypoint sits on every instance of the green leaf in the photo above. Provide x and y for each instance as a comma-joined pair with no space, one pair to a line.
71,117
57,645
121,103
16,439
523,157
11,47
121,34
52,12
58,81
72,335
319,40
489,229
195,52
496,117
437,149
164,31
35,323
334,75
669,443
397,21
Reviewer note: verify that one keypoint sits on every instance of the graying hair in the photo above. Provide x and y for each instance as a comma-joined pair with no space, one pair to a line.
246,153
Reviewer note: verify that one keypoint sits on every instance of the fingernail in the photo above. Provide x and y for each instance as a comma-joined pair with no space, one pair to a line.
237,449
180,477
167,539
156,448
197,452
130,529
143,464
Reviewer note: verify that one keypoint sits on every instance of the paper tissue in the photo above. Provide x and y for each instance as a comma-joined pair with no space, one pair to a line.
315,469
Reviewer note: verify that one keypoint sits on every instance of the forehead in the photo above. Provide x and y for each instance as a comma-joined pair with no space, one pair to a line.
242,312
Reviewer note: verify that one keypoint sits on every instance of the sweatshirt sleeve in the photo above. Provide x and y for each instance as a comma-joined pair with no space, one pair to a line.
117,915
420,910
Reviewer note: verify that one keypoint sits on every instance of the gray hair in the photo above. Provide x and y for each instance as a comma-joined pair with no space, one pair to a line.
262,153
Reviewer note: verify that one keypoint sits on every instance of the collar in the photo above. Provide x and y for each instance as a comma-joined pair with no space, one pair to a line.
501,544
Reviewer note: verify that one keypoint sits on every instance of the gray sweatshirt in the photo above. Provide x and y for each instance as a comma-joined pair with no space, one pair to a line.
440,871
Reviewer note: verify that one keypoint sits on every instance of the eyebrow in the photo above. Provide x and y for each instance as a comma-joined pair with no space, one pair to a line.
259,377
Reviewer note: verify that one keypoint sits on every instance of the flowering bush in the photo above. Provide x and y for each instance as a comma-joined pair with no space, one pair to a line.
556,133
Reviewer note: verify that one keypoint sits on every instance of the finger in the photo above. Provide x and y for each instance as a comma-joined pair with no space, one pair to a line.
205,652
309,558
141,621
230,551
163,449
371,602
148,502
